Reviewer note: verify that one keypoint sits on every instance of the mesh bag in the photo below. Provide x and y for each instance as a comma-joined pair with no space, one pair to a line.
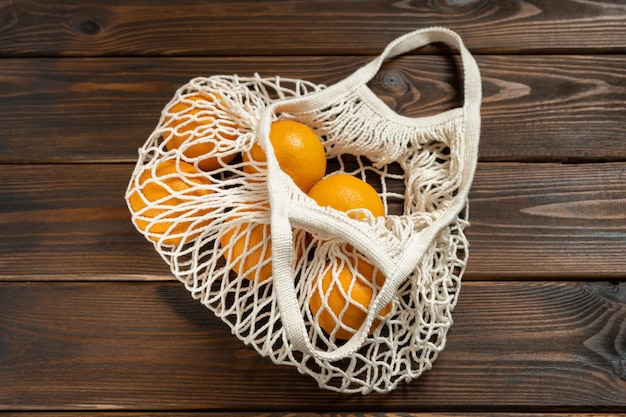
358,302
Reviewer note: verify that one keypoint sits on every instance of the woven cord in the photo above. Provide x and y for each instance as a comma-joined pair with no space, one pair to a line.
396,271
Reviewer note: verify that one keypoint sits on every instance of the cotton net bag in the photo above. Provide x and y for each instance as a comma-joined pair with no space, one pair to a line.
359,303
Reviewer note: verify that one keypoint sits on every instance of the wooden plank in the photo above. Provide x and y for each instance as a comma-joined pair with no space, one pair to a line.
148,346
71,221
542,220
532,106
313,414
40,28
528,221
536,108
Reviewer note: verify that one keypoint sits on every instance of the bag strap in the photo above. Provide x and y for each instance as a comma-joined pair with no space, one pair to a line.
284,211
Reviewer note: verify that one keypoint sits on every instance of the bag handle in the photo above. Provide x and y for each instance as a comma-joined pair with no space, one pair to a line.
472,93
283,210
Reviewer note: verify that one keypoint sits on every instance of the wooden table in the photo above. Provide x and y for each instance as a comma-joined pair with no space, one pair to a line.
92,322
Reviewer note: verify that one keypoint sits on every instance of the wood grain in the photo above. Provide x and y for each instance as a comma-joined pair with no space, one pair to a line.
315,414
60,221
535,108
88,28
528,221
92,322
547,220
513,347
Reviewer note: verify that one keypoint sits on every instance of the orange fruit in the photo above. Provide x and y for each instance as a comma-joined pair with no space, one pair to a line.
299,152
169,187
345,192
248,247
248,250
195,118
348,297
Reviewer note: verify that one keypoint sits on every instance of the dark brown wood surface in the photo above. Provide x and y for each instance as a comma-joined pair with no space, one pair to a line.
539,345
528,221
92,322
300,27
536,108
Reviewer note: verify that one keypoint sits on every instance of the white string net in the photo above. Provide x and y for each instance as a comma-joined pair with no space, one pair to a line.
207,211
